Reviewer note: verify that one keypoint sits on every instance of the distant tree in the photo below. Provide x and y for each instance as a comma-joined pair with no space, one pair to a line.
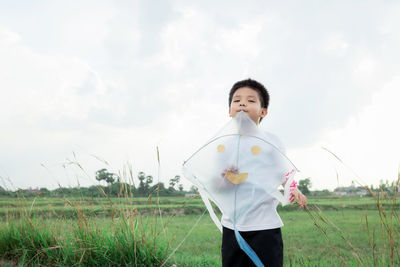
384,186
103,174
62,191
171,183
304,186
95,191
160,189
194,189
45,191
141,188
324,193
149,180
174,181
180,187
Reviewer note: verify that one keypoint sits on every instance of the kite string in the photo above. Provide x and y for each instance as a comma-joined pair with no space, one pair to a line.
183,240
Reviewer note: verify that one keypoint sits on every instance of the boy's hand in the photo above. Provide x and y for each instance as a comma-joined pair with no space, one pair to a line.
301,199
231,169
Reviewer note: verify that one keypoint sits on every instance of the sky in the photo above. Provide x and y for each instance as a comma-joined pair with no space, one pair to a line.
86,85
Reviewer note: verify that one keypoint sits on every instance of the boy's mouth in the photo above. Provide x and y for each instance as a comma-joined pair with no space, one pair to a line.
242,110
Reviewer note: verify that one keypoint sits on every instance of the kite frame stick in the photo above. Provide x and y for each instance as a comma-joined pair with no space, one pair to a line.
226,135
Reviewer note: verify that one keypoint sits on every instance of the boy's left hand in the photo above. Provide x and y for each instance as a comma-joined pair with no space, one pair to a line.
301,199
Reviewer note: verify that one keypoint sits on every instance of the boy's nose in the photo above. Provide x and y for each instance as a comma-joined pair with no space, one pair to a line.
243,104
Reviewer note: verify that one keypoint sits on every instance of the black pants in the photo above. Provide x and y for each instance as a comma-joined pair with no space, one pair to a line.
267,244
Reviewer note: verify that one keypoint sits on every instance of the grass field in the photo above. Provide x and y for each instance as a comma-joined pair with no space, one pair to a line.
332,232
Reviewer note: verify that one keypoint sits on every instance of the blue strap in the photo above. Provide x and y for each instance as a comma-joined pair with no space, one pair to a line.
247,249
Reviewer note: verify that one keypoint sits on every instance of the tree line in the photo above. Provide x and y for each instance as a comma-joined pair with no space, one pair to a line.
114,188
146,187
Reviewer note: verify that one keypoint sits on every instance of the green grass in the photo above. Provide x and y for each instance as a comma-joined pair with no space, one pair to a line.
303,242
123,242
67,207
117,235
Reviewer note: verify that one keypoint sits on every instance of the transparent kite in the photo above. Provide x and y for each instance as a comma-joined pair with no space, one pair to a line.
237,169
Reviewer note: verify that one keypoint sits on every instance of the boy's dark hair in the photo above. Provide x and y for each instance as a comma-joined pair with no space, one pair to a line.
253,84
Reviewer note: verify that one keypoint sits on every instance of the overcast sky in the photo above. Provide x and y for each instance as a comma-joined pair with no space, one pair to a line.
103,83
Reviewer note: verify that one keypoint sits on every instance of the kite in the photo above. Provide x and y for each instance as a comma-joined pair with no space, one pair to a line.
237,169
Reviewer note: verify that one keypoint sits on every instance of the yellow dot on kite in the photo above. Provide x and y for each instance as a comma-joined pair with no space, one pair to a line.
221,148
255,150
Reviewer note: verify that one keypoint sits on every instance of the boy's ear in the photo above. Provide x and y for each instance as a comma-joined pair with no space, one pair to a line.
264,112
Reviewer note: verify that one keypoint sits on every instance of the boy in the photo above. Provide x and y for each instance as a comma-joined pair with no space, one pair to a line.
261,227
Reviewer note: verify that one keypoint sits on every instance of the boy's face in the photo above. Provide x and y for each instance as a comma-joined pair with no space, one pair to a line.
248,100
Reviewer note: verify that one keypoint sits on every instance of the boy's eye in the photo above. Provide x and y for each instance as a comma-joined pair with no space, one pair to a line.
252,101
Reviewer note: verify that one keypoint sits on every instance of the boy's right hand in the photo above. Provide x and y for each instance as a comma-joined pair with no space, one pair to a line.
231,169
301,199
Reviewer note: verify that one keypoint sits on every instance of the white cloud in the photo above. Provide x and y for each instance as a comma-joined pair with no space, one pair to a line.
194,39
335,44
365,68
180,36
47,103
39,87
242,41
8,37
369,144
115,79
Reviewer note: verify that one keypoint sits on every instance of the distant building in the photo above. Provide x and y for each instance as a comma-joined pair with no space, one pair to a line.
351,191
